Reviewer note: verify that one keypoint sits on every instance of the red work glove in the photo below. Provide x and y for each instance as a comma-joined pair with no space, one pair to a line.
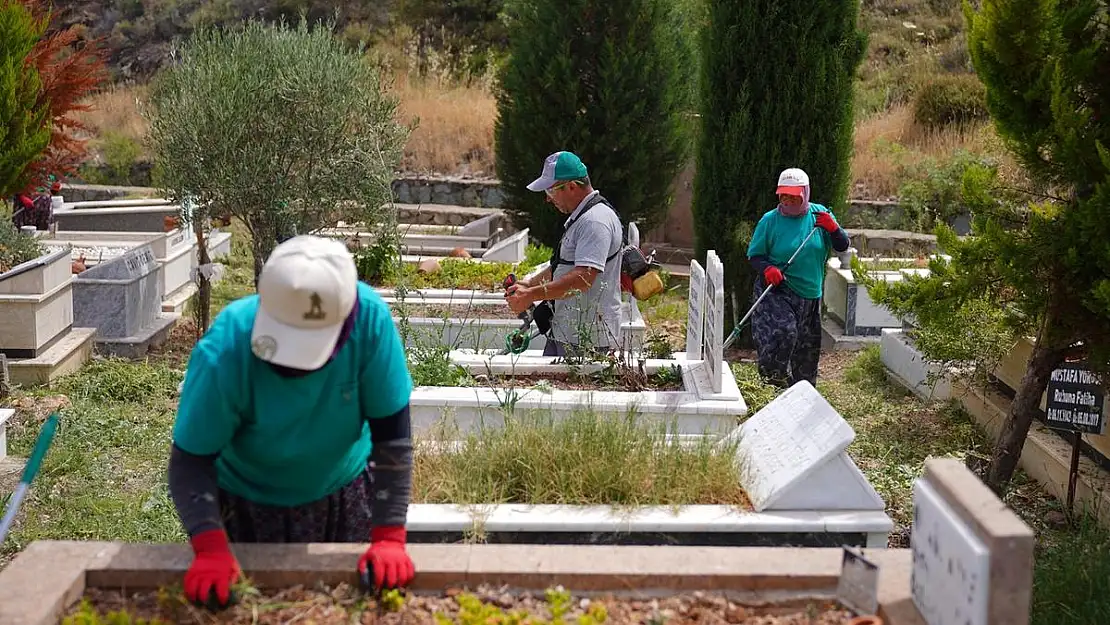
772,275
214,568
826,221
386,559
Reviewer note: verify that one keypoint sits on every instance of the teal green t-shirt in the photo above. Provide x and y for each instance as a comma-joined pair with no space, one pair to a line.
776,236
290,441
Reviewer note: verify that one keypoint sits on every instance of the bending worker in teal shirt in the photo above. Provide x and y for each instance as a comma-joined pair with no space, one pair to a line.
786,326
293,422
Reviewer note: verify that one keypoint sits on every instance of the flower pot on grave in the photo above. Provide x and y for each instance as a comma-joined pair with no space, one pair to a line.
36,306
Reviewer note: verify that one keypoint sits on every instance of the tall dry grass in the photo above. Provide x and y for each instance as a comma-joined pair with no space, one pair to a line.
889,144
454,125
115,110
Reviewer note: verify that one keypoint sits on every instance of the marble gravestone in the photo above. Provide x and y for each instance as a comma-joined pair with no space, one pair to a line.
714,318
694,313
122,299
951,574
791,456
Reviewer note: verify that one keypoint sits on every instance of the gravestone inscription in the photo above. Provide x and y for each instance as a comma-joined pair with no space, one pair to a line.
791,456
1075,399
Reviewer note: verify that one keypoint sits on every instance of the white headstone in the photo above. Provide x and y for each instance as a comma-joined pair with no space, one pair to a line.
5,415
714,318
791,456
950,582
633,235
695,311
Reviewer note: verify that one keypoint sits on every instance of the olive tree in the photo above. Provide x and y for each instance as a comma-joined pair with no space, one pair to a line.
284,128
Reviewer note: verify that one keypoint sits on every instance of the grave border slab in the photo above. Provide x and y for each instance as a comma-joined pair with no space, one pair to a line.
48,577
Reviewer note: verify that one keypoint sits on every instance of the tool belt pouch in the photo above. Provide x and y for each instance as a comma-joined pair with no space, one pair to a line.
542,316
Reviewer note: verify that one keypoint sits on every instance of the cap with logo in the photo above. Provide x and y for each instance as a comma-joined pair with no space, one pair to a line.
792,181
558,166
307,288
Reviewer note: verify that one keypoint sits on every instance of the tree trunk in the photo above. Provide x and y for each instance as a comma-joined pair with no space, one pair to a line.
204,285
1047,355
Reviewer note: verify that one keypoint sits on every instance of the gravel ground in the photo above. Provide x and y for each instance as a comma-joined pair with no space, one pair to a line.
342,606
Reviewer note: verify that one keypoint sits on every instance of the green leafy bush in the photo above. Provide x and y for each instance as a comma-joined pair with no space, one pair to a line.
16,248
950,99
933,191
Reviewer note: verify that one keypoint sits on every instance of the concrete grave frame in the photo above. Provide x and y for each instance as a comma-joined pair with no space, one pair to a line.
838,514
953,512
122,299
144,218
176,252
36,320
479,334
848,304
48,579
421,244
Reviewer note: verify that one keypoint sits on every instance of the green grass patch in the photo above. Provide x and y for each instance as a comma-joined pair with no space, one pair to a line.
1071,583
895,430
104,475
580,460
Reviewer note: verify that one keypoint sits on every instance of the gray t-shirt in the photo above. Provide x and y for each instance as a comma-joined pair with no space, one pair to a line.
593,237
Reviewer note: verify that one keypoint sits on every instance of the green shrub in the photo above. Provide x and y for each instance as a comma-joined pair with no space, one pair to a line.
15,247
950,99
934,191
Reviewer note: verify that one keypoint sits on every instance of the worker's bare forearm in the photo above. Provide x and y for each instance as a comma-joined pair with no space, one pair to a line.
579,279
543,276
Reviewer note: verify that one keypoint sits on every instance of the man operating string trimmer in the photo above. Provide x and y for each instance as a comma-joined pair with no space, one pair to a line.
788,258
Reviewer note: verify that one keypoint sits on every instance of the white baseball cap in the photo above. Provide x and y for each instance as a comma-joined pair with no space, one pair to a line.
792,181
307,288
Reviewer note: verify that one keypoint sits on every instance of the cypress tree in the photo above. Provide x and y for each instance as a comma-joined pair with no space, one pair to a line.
602,79
776,93
1038,265
24,119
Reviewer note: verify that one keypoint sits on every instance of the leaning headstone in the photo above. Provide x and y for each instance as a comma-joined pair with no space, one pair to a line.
714,318
792,456
972,556
122,299
694,312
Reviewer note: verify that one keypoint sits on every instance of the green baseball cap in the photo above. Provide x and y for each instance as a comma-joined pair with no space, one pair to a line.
558,166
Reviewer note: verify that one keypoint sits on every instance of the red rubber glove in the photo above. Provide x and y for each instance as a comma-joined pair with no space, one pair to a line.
826,221
214,568
387,558
772,275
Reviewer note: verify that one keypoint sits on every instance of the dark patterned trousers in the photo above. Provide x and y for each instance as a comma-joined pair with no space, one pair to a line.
341,517
786,329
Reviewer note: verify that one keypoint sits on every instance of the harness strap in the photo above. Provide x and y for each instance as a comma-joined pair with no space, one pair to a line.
557,260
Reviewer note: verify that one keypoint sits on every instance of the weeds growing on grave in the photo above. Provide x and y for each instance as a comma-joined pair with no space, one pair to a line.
895,431
581,459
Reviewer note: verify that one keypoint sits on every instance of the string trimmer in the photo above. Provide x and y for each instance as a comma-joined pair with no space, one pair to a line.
46,436
518,340
735,334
